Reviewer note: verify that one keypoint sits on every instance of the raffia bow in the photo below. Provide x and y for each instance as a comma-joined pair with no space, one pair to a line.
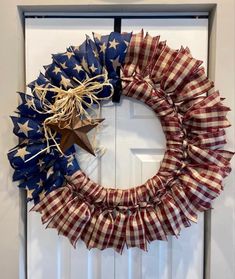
70,102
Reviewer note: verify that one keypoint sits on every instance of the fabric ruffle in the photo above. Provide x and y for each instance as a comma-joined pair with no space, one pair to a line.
193,118
103,54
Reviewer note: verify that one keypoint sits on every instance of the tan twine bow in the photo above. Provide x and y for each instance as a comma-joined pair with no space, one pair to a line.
68,102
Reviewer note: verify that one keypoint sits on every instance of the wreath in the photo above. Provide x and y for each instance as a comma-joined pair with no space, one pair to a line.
62,108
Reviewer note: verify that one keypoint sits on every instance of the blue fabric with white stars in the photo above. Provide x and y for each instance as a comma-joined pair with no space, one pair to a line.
46,171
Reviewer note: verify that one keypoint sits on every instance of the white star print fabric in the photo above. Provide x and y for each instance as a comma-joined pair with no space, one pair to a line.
41,170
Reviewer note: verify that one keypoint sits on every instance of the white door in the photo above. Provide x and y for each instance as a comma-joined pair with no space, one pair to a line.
134,144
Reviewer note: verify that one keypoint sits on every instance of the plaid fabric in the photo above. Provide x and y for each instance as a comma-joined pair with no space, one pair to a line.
52,203
102,232
193,119
159,104
170,216
76,221
206,156
209,177
207,119
228,155
199,195
181,199
171,162
181,67
197,84
135,232
153,227
187,104
139,89
118,237
171,125
213,140
147,52
162,64
61,217
131,60
213,99
113,197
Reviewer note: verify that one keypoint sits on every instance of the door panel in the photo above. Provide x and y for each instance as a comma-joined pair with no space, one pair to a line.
50,256
177,258
133,144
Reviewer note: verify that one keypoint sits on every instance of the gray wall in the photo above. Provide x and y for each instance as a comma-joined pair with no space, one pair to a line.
221,65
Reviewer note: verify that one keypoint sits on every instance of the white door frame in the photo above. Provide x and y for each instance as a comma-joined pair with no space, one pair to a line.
213,221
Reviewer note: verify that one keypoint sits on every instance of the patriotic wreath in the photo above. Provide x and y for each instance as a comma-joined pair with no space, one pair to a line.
56,114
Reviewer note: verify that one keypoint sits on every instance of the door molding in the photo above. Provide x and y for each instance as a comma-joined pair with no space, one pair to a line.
222,30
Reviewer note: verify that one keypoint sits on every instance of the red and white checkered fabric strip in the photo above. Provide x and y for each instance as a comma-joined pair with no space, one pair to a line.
162,63
135,231
113,197
213,140
88,230
171,126
188,104
110,197
148,52
92,191
159,104
132,55
180,69
86,187
171,163
207,156
170,215
181,199
228,155
153,227
118,237
197,84
199,195
77,217
102,230
151,189
138,89
58,220
207,119
78,179
213,99
210,176
52,203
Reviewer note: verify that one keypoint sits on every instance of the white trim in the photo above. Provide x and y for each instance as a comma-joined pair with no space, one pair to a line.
113,14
